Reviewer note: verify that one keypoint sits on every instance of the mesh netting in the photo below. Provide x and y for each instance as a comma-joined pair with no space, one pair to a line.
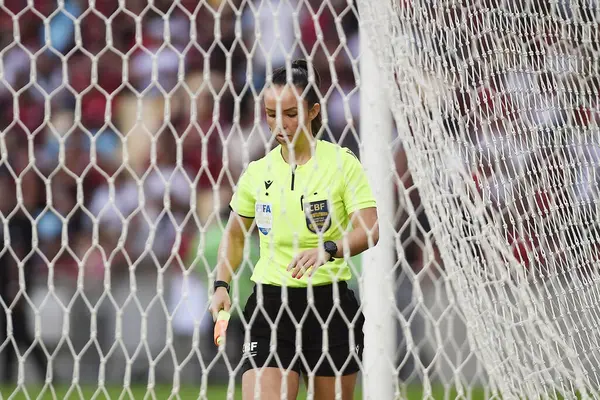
498,107
125,126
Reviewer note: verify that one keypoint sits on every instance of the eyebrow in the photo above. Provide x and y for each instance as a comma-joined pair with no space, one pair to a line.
287,109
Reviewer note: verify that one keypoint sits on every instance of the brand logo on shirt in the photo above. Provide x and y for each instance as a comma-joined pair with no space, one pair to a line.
268,184
351,153
318,219
263,216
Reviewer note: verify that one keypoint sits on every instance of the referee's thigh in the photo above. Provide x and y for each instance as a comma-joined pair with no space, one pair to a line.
325,387
266,384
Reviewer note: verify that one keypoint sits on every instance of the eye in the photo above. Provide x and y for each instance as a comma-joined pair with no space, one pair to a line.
292,115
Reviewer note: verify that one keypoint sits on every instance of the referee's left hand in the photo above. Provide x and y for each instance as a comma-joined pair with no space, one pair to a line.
305,260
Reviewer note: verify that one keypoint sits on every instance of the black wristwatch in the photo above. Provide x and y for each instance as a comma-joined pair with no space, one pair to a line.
219,284
331,248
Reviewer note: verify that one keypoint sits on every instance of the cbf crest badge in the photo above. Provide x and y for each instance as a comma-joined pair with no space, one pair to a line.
263,216
318,219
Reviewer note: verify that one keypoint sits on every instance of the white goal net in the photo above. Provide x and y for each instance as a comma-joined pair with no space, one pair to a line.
497,104
126,125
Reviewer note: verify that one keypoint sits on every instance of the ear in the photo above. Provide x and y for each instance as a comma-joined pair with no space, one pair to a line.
314,111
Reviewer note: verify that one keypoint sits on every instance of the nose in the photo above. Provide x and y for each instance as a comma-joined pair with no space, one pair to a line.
283,124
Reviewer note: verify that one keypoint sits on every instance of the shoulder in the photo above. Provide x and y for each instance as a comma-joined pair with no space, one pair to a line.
343,157
266,161
258,168
349,154
331,150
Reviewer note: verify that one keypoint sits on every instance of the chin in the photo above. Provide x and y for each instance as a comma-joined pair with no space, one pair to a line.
284,140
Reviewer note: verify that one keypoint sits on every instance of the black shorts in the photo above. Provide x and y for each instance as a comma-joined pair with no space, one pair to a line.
340,328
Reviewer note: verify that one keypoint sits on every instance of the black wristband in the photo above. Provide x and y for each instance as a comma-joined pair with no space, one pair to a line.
219,284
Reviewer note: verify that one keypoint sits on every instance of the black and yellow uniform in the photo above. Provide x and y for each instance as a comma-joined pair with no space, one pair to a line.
294,208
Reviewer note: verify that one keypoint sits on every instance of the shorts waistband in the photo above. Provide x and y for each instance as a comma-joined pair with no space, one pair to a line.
320,289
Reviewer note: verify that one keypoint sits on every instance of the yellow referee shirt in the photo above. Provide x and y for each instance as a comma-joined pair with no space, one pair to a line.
292,207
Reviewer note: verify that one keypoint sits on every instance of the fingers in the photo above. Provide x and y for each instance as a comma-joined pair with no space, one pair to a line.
301,268
302,260
214,311
298,259
294,261
218,304
297,262
302,271
305,261
311,268
314,268
299,271
321,260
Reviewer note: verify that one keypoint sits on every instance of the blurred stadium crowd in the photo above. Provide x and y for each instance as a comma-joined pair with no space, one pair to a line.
104,109
101,106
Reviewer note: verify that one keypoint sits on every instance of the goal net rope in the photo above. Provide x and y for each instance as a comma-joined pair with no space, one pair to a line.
125,126
497,103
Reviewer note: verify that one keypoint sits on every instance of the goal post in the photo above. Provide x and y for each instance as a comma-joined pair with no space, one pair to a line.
379,376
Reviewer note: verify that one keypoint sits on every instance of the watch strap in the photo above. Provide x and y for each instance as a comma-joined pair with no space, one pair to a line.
219,284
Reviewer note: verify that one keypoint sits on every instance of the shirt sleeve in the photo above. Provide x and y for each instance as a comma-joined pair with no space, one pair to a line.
357,192
243,200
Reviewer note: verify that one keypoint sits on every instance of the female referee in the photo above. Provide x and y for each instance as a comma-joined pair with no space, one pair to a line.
303,197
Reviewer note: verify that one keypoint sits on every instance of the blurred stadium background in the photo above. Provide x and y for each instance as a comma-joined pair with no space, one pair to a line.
51,90
125,88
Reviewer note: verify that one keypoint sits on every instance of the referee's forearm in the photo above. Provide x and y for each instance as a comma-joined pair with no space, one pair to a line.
357,241
231,252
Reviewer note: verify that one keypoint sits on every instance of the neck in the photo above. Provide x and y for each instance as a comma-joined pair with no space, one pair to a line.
301,150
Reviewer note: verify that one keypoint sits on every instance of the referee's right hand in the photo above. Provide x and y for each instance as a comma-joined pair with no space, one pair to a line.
220,301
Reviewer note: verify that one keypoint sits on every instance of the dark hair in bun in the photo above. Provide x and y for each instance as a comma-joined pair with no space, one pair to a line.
300,79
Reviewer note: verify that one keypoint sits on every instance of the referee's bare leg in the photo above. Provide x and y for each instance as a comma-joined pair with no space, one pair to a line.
325,386
270,381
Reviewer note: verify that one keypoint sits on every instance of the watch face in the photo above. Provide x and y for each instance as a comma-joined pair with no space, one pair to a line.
330,247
